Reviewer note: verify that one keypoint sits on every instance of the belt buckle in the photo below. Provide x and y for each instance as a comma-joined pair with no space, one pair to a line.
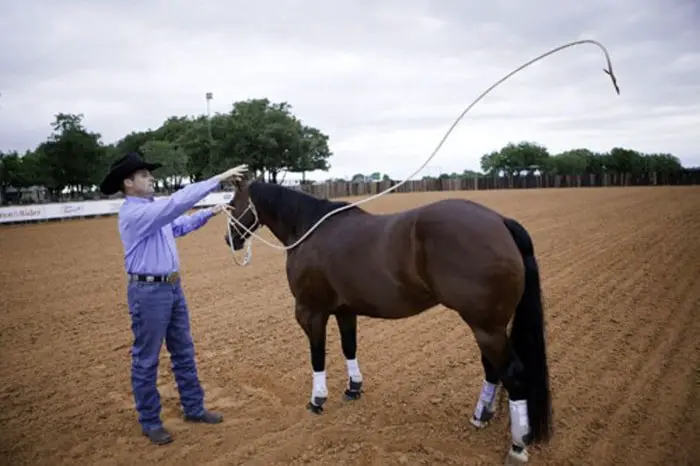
173,277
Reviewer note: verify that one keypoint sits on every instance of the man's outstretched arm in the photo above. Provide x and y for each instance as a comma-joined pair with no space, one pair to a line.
144,219
188,223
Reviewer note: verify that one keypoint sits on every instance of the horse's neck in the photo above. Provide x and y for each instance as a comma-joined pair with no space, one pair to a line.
277,222
280,231
285,222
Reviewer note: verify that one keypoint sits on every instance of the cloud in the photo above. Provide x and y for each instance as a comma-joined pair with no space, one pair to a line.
384,79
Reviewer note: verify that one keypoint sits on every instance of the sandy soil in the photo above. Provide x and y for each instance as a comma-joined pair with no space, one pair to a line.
618,266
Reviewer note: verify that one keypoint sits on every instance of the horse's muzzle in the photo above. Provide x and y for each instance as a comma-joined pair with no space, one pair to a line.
237,245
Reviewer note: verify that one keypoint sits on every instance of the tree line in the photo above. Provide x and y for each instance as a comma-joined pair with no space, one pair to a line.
528,157
270,139
265,135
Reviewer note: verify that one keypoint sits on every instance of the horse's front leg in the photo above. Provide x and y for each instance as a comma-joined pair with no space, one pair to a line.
347,325
314,325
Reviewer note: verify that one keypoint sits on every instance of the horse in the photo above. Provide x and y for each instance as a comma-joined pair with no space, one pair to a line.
454,252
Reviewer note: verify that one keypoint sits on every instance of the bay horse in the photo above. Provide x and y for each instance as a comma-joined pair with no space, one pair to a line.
453,252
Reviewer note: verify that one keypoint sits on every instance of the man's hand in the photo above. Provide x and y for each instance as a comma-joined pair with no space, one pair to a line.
235,172
216,209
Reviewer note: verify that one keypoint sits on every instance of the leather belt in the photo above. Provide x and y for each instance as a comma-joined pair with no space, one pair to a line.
169,278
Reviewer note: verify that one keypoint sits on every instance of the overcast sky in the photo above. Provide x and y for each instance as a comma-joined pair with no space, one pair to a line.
384,79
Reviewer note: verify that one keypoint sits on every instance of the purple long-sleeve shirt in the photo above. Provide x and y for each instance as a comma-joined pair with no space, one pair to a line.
148,228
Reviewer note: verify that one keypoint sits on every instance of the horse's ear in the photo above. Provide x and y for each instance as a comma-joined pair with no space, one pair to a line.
241,184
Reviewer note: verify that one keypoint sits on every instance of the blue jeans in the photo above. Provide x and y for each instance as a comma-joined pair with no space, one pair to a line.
159,312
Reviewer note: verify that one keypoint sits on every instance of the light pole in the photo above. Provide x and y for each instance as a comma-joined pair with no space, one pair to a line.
209,96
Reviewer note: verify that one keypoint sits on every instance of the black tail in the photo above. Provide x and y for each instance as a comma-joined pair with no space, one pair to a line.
528,339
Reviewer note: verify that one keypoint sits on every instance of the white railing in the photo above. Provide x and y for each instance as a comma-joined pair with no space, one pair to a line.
60,210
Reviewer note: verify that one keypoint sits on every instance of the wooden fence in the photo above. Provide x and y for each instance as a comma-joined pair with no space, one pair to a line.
337,189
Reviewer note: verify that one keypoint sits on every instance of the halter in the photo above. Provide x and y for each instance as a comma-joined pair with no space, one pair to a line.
235,221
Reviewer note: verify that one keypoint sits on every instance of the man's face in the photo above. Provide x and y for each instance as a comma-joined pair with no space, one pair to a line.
141,184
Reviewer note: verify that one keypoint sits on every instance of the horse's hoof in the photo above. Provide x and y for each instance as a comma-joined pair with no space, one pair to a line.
316,406
354,391
313,408
517,456
478,423
483,421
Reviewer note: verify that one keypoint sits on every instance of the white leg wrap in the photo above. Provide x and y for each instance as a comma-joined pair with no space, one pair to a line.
353,370
487,399
519,423
320,390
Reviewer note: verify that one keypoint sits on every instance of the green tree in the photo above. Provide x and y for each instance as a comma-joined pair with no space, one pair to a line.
133,142
201,149
33,169
469,174
492,163
313,153
10,173
570,162
663,164
73,156
515,158
173,159
269,138
598,164
625,161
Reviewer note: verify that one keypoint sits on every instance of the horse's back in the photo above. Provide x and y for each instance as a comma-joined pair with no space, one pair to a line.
394,265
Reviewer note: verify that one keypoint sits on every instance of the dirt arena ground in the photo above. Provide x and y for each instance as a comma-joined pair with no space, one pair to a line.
620,275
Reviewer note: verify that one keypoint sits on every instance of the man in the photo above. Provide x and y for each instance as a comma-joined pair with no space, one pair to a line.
156,301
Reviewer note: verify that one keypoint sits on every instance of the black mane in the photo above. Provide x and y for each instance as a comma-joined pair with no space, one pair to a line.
293,207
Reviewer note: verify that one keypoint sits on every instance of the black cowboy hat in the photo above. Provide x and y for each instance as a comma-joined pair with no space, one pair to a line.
122,168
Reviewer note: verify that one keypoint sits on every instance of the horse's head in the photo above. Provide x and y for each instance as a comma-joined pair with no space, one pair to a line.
244,216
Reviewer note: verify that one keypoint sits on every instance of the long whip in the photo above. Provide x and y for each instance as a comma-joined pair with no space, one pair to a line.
608,71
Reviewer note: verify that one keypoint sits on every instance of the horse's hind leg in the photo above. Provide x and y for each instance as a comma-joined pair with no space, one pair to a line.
496,347
485,405
347,325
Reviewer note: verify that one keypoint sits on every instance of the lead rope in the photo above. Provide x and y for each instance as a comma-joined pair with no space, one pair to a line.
234,222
